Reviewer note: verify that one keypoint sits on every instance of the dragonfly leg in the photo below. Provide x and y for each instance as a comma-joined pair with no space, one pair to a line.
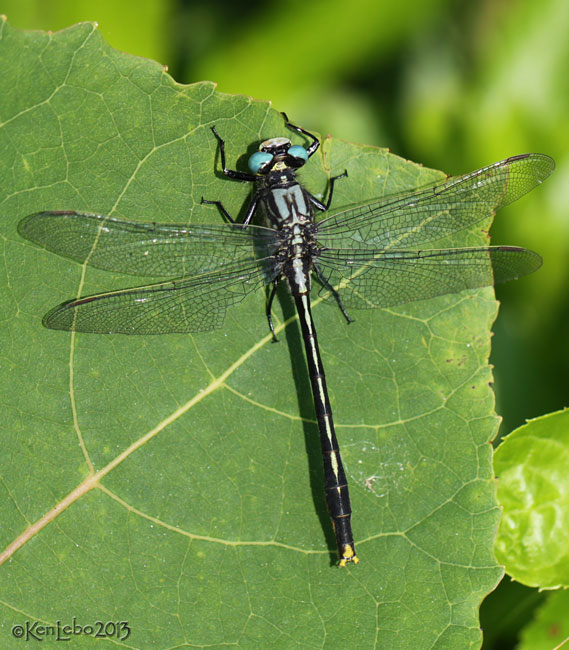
220,207
325,206
333,291
269,309
230,173
315,141
331,191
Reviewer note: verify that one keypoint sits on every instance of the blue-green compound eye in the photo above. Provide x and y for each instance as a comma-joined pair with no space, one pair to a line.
296,151
258,160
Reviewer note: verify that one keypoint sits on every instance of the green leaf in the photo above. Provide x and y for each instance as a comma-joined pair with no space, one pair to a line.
175,482
533,490
550,629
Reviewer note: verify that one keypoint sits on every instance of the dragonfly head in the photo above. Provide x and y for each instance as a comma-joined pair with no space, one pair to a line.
277,154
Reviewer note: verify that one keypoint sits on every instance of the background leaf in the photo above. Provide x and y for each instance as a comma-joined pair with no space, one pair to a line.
189,466
550,629
533,490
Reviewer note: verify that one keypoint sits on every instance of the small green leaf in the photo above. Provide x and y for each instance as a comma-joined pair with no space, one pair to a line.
175,482
533,489
550,629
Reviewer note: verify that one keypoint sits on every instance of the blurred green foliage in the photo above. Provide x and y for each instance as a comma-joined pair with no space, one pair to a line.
454,85
533,490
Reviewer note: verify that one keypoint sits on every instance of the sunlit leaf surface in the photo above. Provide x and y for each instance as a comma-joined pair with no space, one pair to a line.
187,468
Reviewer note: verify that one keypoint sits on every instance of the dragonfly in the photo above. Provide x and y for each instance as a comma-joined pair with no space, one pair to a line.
375,254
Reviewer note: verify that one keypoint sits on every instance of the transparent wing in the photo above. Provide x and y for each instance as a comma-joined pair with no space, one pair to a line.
150,249
368,279
412,218
195,304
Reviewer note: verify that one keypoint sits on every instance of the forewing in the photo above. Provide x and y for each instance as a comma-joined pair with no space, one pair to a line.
413,218
149,249
370,279
195,304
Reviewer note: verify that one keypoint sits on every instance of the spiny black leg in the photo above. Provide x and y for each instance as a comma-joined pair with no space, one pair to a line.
340,305
231,173
315,141
333,291
269,308
221,145
220,207
325,206
331,191
251,210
